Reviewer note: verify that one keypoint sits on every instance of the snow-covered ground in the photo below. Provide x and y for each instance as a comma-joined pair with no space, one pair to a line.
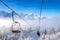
30,36
33,36
51,37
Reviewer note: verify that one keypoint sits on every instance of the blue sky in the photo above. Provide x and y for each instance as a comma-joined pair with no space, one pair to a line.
50,7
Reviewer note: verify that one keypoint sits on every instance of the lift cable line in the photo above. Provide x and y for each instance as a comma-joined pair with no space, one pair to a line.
6,5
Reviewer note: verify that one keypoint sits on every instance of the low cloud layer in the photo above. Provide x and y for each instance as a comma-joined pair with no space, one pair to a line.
31,20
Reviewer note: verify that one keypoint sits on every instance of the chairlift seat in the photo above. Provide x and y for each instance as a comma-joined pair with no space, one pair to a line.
16,31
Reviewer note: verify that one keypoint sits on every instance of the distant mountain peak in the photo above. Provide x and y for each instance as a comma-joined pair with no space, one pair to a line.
30,16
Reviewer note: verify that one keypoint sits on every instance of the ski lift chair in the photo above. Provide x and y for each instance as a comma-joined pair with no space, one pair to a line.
16,27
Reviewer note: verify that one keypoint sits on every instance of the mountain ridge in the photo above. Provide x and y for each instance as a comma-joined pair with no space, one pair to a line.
29,16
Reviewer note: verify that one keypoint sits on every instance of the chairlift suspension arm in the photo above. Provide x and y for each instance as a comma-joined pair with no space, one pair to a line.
13,16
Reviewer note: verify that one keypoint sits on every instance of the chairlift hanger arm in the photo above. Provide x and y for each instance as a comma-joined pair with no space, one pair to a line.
13,16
